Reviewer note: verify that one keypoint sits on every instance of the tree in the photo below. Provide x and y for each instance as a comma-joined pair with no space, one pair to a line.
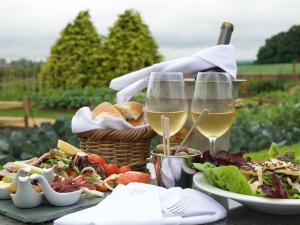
130,45
76,58
281,48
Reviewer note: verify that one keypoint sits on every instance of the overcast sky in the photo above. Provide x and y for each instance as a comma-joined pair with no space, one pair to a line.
28,28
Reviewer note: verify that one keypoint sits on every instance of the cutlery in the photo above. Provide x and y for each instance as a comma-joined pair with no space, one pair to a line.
194,213
179,206
178,209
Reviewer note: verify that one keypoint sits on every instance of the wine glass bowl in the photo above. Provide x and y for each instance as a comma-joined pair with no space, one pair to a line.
166,96
213,91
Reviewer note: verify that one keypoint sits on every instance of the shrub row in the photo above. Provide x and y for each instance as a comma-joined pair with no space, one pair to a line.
74,99
259,86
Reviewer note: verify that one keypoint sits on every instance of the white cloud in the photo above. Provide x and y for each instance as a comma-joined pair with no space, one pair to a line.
29,27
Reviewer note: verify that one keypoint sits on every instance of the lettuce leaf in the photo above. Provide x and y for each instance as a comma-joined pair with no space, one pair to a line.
228,178
273,151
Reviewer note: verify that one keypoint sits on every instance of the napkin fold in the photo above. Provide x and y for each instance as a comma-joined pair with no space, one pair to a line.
222,56
82,121
141,204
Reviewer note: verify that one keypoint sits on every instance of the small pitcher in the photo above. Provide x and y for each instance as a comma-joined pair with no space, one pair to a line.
26,196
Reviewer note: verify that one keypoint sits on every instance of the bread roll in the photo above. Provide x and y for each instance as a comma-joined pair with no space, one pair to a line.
138,122
130,110
106,108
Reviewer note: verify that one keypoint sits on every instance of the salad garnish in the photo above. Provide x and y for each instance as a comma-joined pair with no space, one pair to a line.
276,177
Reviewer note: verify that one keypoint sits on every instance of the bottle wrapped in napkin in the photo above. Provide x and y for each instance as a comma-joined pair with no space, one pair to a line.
107,116
221,56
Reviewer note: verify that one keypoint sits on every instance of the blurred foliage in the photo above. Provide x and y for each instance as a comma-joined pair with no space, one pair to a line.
258,86
76,58
18,78
27,143
129,45
285,69
258,126
281,48
76,98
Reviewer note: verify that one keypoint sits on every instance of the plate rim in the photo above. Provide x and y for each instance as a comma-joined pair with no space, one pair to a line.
201,182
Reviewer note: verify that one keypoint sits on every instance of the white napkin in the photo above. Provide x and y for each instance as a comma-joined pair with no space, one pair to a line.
82,121
221,56
125,207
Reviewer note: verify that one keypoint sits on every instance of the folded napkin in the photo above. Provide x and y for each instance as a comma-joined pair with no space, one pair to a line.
221,56
141,204
82,121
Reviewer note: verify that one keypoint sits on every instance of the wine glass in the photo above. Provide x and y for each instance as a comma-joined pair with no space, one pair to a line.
166,97
213,91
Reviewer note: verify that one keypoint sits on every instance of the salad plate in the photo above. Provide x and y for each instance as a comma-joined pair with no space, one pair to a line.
262,204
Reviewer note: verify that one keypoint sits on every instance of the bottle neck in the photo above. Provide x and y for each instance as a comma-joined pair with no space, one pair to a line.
225,34
224,39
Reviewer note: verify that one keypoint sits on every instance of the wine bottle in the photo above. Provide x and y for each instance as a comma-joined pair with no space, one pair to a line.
224,39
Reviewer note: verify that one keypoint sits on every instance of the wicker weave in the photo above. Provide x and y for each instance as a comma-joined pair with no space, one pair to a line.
128,147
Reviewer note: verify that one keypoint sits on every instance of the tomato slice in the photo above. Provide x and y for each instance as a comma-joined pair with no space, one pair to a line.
110,169
124,169
97,158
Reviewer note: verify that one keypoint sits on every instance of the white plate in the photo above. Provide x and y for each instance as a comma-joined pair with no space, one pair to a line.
266,205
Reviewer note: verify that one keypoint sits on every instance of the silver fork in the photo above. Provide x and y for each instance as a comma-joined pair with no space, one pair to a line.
179,207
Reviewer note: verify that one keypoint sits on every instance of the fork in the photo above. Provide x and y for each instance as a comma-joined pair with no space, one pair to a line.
179,207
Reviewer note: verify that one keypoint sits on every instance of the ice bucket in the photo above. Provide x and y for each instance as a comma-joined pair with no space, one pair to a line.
173,171
197,140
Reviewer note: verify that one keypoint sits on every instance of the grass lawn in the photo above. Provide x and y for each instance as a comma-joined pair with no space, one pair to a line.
284,68
262,155
36,112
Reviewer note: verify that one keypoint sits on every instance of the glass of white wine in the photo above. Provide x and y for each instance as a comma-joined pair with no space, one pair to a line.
213,91
165,96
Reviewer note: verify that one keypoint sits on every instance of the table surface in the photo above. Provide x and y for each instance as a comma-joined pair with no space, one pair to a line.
237,215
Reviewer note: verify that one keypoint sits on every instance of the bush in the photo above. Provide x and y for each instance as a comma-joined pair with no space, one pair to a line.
260,86
257,127
74,99
16,144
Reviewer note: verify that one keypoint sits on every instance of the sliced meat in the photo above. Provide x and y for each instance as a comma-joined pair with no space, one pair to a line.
10,166
42,158
29,161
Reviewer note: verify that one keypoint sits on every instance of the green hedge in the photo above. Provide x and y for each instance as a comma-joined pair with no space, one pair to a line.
261,86
74,99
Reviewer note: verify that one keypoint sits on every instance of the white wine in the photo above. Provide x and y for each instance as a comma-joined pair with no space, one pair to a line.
214,124
177,120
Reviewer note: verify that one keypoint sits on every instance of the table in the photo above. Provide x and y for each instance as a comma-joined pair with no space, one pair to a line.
238,215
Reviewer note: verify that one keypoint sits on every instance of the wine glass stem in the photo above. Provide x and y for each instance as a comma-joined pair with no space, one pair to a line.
212,148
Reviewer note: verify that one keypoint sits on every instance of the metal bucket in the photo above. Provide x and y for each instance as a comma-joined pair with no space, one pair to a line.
173,171
197,140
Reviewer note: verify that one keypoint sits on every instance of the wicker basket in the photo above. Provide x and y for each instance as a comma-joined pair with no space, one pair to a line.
128,147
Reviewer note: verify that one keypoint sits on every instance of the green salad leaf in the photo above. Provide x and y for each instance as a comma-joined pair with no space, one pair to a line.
9,178
228,178
273,150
